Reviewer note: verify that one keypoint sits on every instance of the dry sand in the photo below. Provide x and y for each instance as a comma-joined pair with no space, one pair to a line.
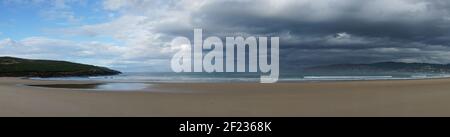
356,98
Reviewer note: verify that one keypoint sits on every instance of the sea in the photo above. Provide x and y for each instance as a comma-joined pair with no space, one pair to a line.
171,77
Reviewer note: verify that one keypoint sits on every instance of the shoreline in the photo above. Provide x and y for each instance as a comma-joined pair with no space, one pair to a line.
423,97
288,80
41,83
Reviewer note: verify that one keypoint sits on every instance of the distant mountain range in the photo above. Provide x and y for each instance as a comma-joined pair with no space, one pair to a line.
17,67
382,67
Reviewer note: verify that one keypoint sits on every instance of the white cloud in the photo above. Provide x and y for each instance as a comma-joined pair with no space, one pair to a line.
115,4
51,9
343,38
6,42
46,48
138,27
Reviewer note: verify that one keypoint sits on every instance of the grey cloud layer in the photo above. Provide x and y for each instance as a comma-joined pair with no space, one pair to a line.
344,31
312,32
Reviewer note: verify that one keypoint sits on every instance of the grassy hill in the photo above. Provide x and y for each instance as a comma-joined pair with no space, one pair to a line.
17,67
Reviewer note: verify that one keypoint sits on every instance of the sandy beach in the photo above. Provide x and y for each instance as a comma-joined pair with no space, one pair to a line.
352,98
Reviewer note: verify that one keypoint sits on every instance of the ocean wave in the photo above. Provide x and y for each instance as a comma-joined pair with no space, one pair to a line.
159,78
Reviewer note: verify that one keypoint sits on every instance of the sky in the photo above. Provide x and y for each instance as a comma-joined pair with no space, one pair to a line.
134,35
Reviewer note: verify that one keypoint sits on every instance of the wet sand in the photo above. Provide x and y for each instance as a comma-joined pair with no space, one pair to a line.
352,98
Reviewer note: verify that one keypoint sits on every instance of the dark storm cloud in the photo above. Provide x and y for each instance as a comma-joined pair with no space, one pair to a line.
328,32
410,20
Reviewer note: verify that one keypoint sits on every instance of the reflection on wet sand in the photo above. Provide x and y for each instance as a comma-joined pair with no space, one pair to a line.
98,86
